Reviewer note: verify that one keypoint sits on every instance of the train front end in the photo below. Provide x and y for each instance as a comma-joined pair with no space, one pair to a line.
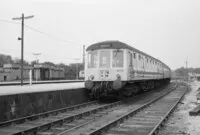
104,70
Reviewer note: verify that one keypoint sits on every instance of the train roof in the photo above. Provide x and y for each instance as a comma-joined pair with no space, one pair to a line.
117,45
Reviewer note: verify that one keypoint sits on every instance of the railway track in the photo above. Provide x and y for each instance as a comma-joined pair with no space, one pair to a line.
150,117
88,118
43,121
138,119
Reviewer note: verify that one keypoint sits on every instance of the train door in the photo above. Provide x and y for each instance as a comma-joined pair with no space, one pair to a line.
139,62
144,64
130,65
134,61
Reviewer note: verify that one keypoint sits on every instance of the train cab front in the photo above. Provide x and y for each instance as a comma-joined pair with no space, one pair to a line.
104,70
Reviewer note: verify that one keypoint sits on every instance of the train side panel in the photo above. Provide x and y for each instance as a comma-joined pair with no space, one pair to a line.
140,67
113,67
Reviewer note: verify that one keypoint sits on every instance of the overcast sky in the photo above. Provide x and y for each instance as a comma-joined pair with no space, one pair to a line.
166,29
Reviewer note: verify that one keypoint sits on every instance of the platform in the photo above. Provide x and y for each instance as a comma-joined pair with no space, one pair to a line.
20,101
35,88
26,82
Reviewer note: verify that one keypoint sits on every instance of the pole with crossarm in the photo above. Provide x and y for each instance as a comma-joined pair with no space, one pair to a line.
22,42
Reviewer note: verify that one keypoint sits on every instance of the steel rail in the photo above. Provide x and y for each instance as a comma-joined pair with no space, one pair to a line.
129,114
62,120
61,133
36,116
67,118
78,126
156,128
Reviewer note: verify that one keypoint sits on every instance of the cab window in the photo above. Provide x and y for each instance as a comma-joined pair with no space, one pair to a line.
118,58
104,59
92,59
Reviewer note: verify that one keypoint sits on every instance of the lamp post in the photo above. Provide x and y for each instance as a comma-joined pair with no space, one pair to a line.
77,69
37,54
22,42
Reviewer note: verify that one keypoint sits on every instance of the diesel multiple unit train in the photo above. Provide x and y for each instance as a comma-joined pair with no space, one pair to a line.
115,68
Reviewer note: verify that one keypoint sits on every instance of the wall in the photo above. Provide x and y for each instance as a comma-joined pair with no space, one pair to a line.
21,105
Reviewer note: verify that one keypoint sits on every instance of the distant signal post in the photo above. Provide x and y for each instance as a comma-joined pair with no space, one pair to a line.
22,42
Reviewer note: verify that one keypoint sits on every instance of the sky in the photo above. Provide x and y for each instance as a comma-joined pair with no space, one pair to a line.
165,29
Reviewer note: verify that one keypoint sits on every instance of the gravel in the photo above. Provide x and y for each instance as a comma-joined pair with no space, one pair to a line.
180,122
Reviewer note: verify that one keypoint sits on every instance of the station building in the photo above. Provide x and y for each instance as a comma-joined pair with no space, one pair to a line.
47,72
193,76
12,72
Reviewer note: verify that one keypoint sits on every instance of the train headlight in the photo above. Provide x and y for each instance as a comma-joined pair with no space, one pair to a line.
118,76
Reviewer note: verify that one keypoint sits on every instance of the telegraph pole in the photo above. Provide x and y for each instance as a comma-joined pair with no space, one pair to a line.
22,43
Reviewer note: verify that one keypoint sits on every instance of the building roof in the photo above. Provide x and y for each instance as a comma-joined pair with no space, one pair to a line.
17,66
48,67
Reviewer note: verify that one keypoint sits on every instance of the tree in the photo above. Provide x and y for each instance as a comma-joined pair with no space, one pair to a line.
34,62
5,59
49,63
71,70
61,65
17,60
184,71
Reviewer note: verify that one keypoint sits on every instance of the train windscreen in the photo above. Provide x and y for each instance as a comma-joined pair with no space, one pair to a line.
92,59
118,58
104,59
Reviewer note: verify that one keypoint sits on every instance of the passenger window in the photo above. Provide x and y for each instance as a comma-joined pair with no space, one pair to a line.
134,55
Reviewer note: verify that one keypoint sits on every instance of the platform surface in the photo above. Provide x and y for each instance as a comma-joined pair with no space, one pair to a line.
25,82
18,89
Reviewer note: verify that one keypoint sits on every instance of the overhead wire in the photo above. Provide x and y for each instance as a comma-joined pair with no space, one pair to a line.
44,54
44,33
9,21
36,30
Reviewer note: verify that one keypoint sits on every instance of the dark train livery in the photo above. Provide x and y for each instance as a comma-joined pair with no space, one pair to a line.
115,68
